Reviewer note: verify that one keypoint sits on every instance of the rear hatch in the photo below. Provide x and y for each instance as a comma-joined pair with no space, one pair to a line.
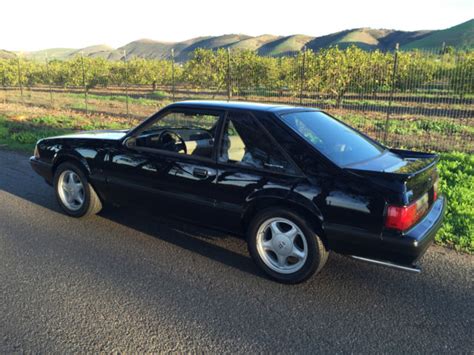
413,173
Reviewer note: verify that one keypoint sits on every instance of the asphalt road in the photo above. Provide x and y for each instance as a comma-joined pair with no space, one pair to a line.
129,281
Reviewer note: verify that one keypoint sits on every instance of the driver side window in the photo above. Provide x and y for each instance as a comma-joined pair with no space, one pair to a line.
183,132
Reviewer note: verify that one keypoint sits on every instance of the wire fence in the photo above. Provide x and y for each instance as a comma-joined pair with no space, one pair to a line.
415,100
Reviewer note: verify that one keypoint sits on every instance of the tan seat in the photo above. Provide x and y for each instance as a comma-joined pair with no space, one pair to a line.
236,149
190,146
193,146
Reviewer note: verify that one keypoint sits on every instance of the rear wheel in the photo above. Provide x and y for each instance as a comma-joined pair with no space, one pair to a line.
284,246
74,193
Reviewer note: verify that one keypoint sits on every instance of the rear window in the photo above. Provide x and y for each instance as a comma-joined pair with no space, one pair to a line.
339,143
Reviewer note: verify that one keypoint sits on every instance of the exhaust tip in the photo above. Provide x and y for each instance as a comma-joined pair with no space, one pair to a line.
414,269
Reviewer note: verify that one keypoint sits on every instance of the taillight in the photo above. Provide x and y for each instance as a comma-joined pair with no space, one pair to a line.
403,217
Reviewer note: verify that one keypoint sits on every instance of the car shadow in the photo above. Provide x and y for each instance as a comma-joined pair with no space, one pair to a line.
186,235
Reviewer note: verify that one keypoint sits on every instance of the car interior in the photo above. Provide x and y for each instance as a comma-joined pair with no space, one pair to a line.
181,132
194,134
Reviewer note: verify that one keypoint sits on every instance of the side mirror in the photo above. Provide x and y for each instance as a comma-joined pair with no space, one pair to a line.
130,142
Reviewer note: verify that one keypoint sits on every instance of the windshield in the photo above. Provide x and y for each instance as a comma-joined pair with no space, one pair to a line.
341,144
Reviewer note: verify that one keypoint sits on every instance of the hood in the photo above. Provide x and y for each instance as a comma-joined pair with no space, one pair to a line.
113,135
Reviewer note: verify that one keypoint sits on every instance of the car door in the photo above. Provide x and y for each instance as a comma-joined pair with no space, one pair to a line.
169,164
250,166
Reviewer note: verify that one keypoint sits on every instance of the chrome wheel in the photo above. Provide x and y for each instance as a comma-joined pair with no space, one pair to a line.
71,190
282,245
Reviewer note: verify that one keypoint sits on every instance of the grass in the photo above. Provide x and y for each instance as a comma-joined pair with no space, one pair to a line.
456,169
82,106
22,135
457,183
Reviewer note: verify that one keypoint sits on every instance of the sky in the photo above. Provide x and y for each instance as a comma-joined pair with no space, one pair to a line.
28,25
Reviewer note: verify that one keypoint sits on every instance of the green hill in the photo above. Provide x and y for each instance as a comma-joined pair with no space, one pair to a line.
284,46
211,43
147,48
51,53
253,43
366,38
362,38
359,37
101,50
459,36
6,54
401,37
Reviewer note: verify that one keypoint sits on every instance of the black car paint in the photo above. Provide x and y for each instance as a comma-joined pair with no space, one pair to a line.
345,205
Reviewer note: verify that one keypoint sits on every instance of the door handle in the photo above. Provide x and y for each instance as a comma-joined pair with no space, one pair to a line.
203,173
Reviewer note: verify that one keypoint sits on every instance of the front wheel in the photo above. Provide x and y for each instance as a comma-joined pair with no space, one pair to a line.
284,246
74,193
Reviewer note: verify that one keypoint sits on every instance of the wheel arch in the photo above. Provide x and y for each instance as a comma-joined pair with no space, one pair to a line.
80,161
310,213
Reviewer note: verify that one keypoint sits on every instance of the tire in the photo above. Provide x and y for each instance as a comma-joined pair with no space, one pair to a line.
74,193
301,253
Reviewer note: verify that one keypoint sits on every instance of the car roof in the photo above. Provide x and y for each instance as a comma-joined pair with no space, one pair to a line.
240,105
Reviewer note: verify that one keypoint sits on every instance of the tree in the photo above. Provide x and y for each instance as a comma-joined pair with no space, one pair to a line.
339,70
207,69
415,70
461,77
8,72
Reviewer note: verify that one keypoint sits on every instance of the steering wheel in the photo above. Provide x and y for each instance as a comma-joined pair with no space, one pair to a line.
172,141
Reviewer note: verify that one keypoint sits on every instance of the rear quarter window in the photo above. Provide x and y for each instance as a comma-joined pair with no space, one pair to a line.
338,142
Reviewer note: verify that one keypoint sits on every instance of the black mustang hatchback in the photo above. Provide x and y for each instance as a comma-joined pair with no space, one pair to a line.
296,181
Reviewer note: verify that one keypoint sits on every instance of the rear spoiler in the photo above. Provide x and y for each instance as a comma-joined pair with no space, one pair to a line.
401,176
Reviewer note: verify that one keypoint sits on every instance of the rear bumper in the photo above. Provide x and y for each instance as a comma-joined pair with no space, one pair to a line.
405,249
43,169
410,247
